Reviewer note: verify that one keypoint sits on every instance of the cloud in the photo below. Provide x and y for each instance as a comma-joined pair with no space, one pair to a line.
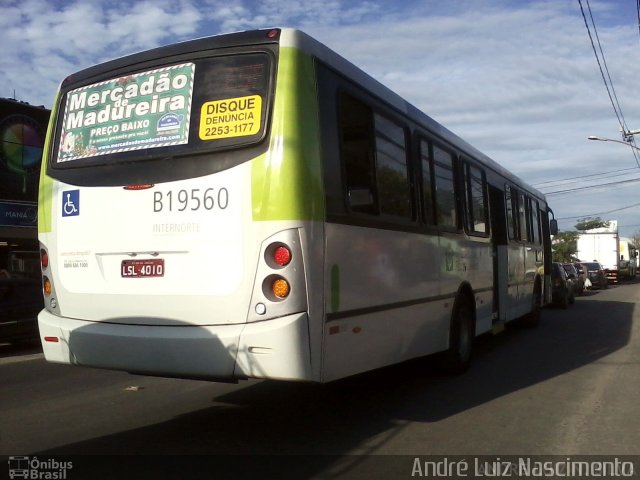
239,15
50,41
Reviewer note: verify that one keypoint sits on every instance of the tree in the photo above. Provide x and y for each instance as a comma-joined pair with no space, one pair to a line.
565,246
589,223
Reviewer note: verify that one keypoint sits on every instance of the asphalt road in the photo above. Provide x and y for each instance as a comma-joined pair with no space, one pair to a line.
569,387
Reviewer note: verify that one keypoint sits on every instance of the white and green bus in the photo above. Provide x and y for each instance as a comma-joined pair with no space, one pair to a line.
253,205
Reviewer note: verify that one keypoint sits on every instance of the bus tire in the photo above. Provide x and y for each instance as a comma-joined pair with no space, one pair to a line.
457,358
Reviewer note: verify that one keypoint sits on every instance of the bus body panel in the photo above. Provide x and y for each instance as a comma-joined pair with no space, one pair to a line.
277,349
273,349
192,352
207,254
390,294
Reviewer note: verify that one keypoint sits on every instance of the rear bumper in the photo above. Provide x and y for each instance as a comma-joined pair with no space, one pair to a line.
272,349
597,281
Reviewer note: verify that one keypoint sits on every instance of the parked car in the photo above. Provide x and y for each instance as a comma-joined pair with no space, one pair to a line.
595,274
575,278
561,289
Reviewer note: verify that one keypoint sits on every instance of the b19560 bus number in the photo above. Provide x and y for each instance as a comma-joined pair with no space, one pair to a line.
194,199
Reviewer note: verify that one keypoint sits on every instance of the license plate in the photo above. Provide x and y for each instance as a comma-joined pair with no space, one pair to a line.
153,267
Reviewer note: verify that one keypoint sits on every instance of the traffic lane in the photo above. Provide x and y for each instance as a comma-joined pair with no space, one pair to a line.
17,353
45,405
522,386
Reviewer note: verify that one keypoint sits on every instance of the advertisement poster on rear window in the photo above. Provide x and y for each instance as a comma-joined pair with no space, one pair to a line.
145,110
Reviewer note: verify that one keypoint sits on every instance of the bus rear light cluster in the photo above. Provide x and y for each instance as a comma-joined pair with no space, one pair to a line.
276,287
280,287
47,288
47,284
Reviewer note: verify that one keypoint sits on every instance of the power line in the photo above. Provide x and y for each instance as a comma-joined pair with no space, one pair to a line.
602,213
638,9
595,51
600,185
610,91
580,177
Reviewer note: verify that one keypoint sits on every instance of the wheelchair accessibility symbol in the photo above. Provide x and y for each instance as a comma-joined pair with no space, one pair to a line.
71,203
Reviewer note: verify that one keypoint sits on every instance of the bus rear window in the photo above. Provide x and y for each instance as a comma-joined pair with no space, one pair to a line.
186,107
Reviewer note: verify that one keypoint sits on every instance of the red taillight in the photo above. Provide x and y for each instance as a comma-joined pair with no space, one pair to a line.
44,259
143,186
282,256
51,339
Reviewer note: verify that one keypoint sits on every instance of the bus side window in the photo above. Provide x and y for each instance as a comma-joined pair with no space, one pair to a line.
535,222
476,200
445,188
522,217
426,164
356,147
509,199
391,168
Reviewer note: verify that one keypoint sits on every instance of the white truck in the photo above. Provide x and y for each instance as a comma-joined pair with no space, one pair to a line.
617,255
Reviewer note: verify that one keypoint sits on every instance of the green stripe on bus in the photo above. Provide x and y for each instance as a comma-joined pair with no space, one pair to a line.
45,188
286,182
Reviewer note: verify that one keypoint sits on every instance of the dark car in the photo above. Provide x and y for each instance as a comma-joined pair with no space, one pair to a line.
595,274
575,278
561,289
20,297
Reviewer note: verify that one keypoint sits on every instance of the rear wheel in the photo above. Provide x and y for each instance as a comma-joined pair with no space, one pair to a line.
461,334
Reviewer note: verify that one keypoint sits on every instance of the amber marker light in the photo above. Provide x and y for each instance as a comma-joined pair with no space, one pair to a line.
46,286
280,288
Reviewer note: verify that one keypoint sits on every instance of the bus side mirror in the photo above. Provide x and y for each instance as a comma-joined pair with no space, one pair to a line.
553,226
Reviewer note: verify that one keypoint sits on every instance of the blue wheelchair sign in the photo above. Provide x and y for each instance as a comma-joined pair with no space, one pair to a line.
71,203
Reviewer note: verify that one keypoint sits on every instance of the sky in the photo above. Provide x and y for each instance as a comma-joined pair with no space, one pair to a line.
519,80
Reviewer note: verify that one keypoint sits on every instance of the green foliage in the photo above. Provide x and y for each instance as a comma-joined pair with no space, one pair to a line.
564,246
589,223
